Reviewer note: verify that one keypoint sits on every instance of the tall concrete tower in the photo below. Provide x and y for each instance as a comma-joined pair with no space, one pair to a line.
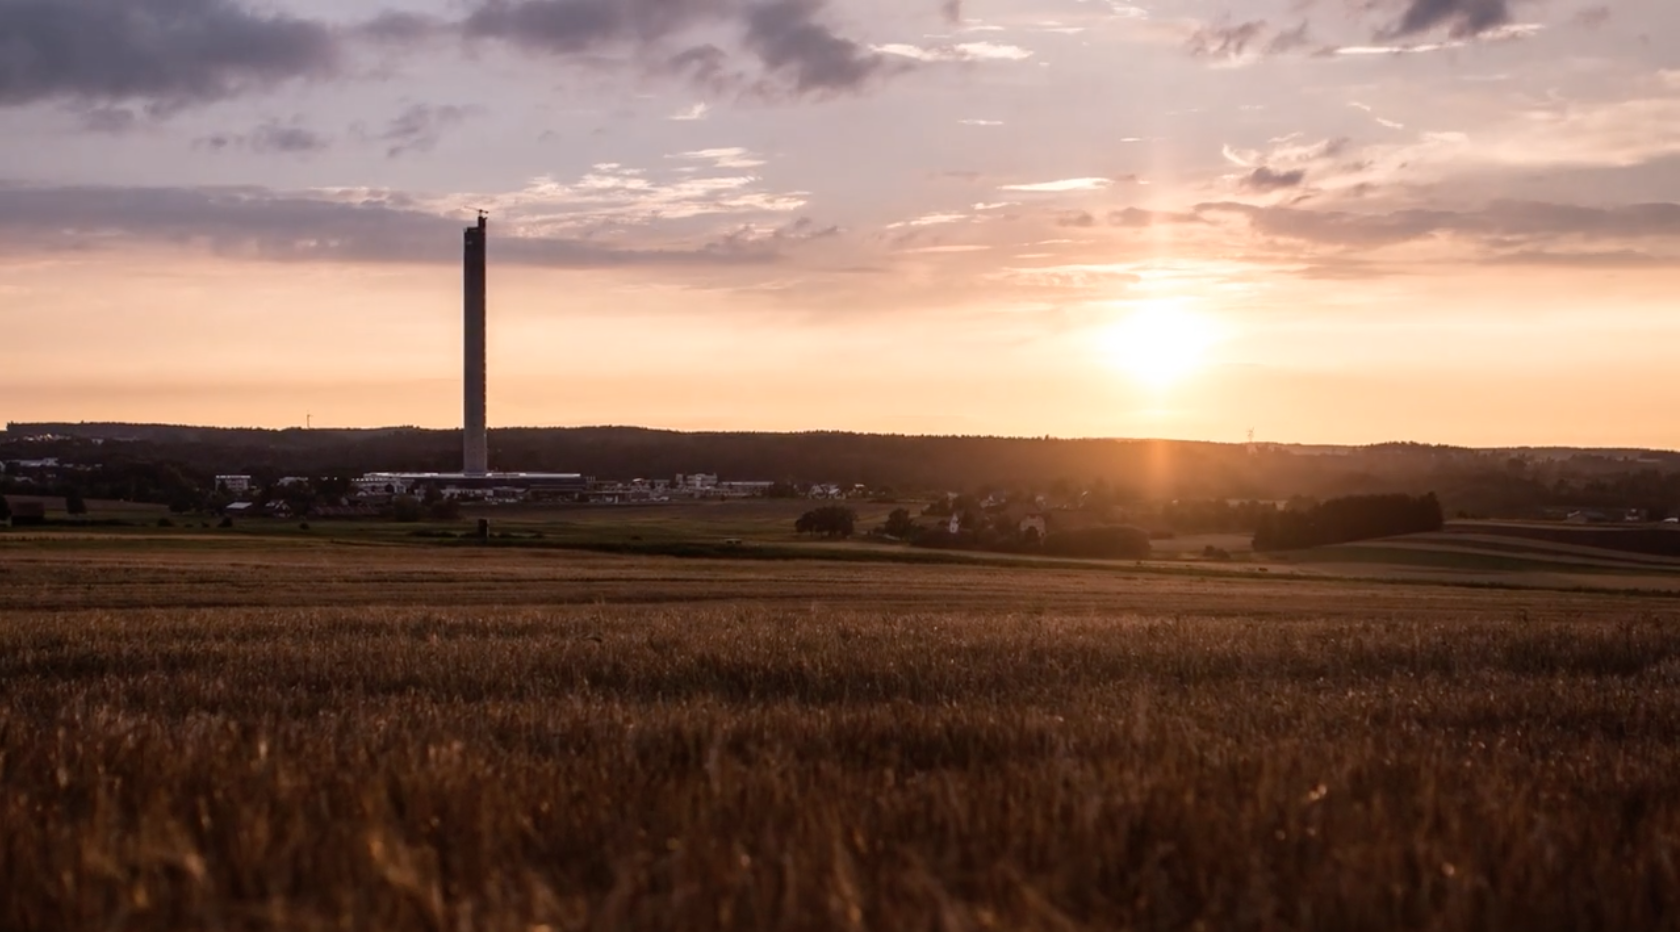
475,446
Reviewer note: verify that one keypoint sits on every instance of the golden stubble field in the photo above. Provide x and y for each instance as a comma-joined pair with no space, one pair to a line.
319,738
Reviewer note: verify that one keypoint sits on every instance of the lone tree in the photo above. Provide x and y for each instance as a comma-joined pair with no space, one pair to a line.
5,510
74,503
829,521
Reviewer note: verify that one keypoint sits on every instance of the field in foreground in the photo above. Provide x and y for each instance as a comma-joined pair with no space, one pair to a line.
303,738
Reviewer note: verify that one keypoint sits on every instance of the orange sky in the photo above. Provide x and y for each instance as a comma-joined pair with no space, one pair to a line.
1060,217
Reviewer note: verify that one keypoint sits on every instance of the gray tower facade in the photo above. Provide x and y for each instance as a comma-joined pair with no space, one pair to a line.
475,445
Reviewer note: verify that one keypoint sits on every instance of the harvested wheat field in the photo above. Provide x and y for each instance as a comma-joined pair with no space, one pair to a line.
295,738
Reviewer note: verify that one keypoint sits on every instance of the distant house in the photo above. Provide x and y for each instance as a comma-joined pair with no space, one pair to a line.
241,510
1034,525
233,485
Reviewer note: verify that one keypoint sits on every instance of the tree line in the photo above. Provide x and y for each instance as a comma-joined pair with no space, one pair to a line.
172,465
1344,520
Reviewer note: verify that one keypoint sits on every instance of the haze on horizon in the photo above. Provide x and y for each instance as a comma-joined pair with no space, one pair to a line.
1444,220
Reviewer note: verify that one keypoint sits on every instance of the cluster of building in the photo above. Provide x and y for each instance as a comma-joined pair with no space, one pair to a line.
377,488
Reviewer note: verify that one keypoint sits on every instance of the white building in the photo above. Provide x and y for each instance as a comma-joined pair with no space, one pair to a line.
381,485
234,485
695,482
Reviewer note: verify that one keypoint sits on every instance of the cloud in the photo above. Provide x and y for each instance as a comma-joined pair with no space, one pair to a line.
1290,40
419,128
1225,40
263,224
724,157
1592,17
964,51
1500,224
1266,179
1065,184
974,122
270,137
787,37
1241,43
611,196
163,53
1592,259
1137,217
690,114
401,28
1463,18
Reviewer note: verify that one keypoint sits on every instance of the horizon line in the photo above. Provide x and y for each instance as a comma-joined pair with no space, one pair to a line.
11,426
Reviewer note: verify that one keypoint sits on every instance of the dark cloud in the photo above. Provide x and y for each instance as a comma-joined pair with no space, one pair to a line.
154,57
787,37
575,26
1075,218
1290,40
1463,19
1266,179
271,137
419,128
952,10
1608,259
167,53
402,29
1508,224
259,223
105,119
1225,40
1232,41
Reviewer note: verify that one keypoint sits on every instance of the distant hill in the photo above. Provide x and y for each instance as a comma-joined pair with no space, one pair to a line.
1502,482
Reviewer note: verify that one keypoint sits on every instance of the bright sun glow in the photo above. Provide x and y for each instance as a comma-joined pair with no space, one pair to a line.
1160,343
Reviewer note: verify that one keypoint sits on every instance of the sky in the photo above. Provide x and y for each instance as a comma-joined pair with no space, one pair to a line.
1332,221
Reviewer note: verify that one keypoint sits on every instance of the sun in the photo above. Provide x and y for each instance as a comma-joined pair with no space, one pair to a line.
1160,343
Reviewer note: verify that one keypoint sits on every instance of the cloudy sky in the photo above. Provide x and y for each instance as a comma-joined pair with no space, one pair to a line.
1325,220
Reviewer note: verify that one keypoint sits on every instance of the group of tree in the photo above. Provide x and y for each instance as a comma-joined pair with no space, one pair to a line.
1117,542
1344,520
1215,516
832,521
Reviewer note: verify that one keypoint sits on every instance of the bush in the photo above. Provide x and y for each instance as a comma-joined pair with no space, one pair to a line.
1109,543
303,526
165,522
1210,552
226,522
